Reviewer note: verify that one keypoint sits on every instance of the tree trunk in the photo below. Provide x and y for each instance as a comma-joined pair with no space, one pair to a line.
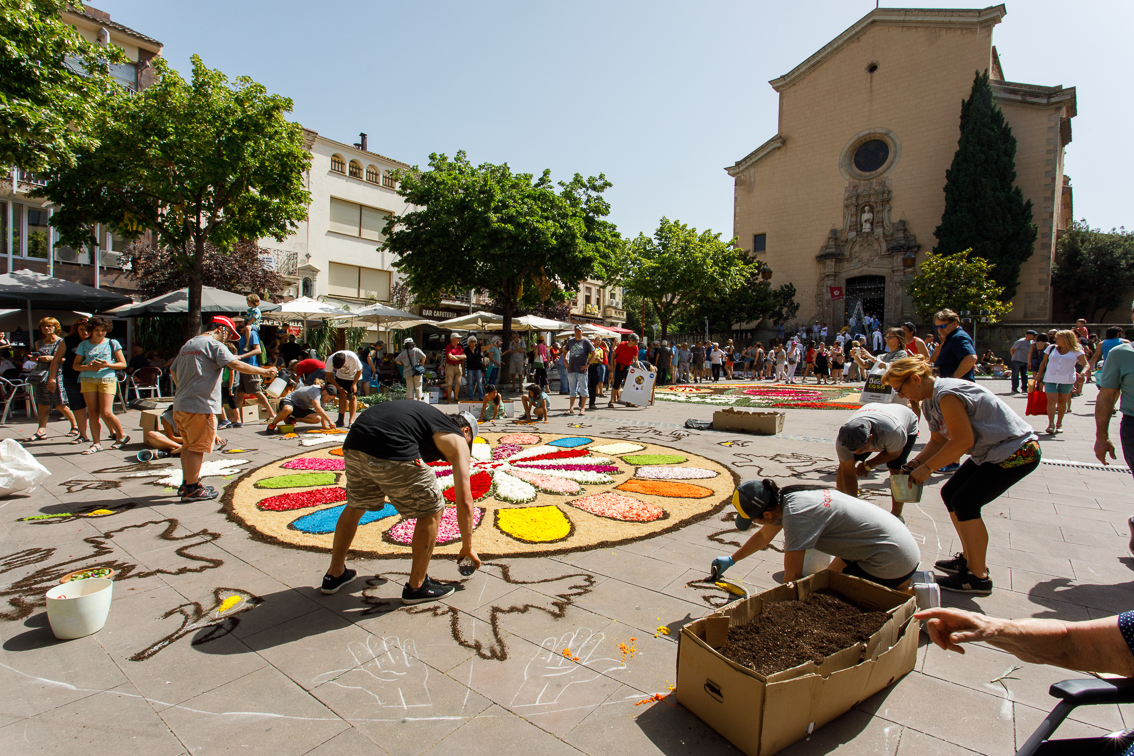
196,276
508,305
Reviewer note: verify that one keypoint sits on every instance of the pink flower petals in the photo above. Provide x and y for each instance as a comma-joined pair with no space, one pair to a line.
447,532
519,438
314,463
505,450
617,507
548,483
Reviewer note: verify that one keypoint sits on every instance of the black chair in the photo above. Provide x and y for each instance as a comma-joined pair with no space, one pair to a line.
1074,693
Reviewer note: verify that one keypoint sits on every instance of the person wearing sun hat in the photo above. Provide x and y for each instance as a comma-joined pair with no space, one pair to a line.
865,541
196,371
385,457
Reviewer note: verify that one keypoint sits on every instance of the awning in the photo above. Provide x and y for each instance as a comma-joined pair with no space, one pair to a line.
24,288
216,301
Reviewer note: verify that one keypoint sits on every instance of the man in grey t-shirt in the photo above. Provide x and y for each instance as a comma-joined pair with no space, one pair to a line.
305,405
578,351
196,372
865,541
1020,353
889,430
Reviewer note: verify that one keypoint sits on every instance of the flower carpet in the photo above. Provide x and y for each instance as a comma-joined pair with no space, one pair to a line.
534,494
765,395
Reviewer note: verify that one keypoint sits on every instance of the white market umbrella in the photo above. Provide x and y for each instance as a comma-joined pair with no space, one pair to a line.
306,308
591,330
474,321
177,303
390,318
531,323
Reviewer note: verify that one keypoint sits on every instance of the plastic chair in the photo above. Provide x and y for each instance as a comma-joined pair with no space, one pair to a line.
146,379
12,390
1074,693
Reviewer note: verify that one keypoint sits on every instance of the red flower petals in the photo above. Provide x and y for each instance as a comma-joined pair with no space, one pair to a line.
481,484
303,499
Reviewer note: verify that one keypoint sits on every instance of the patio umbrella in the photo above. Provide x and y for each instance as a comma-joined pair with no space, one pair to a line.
530,323
474,321
589,329
177,303
27,289
306,308
390,318
10,320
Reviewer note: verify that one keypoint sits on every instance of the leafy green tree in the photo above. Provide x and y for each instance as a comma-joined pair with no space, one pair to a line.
678,267
240,269
53,85
509,234
752,302
958,282
1094,271
984,209
633,303
206,161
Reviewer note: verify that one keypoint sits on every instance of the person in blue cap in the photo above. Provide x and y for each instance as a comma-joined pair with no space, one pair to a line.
865,540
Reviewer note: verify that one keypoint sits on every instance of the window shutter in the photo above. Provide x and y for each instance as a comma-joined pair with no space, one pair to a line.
342,280
344,217
373,221
374,284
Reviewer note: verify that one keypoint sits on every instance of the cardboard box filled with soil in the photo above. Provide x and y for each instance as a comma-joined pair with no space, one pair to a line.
769,670
765,423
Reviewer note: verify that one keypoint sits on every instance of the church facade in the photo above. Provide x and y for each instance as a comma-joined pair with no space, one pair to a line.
843,201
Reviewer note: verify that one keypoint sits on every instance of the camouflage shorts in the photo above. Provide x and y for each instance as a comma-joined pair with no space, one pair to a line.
412,487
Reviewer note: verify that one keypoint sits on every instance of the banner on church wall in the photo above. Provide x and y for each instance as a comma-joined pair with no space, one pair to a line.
836,292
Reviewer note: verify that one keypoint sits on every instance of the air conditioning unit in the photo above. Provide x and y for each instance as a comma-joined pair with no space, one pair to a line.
111,259
66,254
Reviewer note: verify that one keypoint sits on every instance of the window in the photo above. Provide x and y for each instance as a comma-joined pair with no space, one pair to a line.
353,219
338,165
388,181
37,233
355,282
125,74
355,169
372,174
759,242
871,155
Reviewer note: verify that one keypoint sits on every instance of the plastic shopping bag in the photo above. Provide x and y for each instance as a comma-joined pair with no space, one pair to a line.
1037,402
19,470
877,390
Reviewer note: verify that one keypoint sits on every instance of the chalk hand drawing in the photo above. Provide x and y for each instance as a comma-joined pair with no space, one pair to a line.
560,663
386,669
567,588
725,538
220,619
74,486
133,467
802,463
26,594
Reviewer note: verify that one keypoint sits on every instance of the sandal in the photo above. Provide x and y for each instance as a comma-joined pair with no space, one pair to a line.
39,435
120,442
72,433
80,440
95,448
1050,430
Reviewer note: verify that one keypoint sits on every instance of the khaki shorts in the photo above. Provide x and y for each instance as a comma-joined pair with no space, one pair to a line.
412,487
452,373
108,386
250,384
198,431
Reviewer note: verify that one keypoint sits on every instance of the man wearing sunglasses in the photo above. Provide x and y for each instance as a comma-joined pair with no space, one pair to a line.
955,356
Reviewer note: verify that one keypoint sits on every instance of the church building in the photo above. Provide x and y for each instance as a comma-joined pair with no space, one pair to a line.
843,201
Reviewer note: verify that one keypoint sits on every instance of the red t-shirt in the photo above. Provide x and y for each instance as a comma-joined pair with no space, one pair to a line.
625,353
454,351
308,366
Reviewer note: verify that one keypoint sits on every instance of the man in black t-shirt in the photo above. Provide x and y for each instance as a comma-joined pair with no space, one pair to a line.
290,350
385,456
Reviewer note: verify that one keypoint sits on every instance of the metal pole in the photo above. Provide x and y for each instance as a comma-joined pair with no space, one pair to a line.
50,243
8,222
97,261
706,329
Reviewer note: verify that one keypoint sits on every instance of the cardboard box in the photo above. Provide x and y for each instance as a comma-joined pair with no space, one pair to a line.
764,423
150,420
762,715
434,395
511,409
252,413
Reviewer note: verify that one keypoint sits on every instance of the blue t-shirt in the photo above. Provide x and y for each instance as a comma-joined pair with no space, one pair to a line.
958,345
1118,373
248,344
1107,345
103,351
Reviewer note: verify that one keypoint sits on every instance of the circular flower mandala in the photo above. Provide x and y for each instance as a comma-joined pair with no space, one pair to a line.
535,494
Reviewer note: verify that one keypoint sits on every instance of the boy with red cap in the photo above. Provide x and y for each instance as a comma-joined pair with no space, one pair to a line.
197,372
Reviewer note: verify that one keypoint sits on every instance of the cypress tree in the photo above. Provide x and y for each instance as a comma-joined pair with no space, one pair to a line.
984,209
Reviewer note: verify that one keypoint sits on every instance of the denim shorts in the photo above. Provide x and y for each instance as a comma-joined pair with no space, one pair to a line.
1058,388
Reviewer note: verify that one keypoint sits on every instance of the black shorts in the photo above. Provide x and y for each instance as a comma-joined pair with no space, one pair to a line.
227,399
896,463
299,413
854,570
345,386
620,373
74,394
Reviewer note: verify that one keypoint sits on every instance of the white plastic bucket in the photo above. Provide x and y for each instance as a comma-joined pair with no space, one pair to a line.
276,387
815,561
928,596
79,608
903,490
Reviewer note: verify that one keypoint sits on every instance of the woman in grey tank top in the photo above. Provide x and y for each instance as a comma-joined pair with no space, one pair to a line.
1002,447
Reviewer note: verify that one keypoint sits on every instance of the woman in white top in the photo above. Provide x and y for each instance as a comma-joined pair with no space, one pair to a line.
1057,371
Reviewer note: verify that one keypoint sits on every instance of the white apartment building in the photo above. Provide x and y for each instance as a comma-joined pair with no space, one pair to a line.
599,304
334,253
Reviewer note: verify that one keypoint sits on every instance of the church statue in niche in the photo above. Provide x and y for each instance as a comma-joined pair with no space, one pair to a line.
867,218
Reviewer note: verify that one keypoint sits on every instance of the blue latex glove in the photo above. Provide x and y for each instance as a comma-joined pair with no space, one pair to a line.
720,564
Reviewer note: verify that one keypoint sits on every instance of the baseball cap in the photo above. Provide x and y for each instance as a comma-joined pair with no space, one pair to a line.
854,433
1033,333
750,501
227,323
407,341
473,425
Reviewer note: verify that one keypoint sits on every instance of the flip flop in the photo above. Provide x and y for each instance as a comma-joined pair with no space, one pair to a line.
95,448
39,435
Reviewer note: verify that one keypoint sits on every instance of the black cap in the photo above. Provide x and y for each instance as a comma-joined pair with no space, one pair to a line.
855,433
1030,331
750,501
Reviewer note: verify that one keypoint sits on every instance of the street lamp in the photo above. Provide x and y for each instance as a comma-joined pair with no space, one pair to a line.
766,273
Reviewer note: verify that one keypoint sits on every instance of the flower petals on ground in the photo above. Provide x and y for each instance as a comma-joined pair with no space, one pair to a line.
534,524
615,449
654,459
479,482
317,440
524,439
302,499
337,452
571,442
313,463
548,483
480,452
299,480
505,450
448,530
664,472
666,488
618,507
513,490
324,521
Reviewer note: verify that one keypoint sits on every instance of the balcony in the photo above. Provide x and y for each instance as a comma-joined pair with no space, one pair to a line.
614,313
282,262
33,179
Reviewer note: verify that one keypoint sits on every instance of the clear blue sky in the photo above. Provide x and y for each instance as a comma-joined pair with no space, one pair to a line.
659,96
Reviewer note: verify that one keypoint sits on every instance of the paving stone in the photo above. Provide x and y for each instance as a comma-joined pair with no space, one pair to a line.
314,646
484,735
916,743
348,742
853,733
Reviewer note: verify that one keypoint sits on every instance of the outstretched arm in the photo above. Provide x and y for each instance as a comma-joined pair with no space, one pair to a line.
456,451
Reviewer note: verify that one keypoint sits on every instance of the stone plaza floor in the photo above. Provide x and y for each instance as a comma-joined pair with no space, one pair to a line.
217,642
